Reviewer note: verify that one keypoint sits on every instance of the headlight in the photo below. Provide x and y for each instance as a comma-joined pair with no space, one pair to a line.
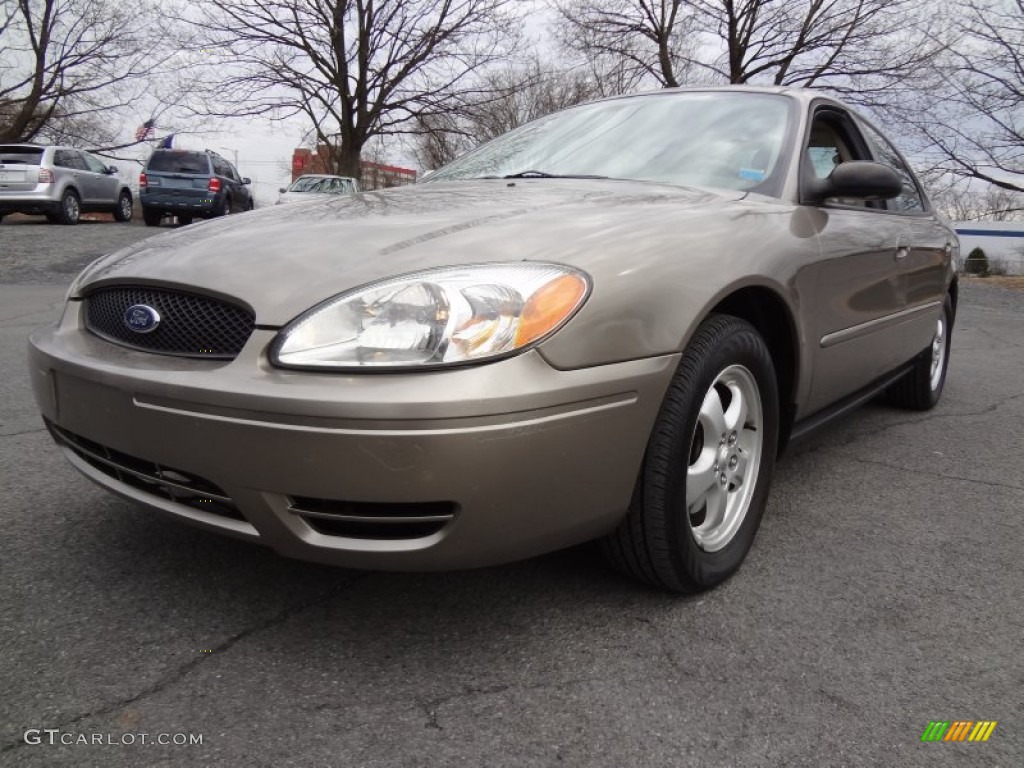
436,317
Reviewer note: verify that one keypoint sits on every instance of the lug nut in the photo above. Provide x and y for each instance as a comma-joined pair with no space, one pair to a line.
723,479
733,437
733,462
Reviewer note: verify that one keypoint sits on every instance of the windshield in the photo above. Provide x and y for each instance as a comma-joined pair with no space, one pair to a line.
179,162
705,139
319,184
21,155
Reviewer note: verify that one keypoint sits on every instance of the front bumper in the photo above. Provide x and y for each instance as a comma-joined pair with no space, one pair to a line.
526,458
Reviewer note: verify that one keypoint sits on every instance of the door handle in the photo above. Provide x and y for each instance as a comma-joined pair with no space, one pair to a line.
902,247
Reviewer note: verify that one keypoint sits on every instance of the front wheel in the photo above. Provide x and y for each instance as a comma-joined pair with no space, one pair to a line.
704,482
921,389
123,211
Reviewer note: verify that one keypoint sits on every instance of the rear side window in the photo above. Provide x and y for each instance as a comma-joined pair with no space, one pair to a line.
69,158
21,155
910,199
179,162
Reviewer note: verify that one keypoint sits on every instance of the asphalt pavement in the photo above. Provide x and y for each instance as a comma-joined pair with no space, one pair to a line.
884,591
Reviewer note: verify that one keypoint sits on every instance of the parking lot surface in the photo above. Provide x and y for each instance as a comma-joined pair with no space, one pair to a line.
884,591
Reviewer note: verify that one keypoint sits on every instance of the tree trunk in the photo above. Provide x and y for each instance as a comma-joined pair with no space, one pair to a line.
347,159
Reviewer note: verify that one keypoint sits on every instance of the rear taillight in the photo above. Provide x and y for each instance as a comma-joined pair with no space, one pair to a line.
142,181
214,184
45,176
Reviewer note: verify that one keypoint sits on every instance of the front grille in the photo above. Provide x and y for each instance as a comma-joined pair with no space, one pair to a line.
365,520
148,476
190,325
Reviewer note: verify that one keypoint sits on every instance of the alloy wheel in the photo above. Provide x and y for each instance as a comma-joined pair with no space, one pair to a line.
724,458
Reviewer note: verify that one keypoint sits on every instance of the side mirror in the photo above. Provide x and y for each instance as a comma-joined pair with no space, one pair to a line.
858,179
246,180
113,170
282,190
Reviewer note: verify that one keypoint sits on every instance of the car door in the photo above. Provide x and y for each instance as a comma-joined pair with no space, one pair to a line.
241,192
928,249
107,186
70,167
859,293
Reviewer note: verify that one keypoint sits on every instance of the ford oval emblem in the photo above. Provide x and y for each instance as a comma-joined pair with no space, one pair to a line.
141,319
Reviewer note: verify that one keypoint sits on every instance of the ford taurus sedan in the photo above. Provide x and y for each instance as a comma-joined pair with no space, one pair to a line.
605,324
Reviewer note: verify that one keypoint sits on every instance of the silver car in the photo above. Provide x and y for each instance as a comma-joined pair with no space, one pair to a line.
606,324
60,183
311,186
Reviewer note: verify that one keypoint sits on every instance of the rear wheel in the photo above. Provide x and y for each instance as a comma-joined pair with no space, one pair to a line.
921,389
123,211
184,220
225,207
151,217
704,482
70,208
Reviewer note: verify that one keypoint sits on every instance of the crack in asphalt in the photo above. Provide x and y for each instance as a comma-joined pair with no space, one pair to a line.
430,706
925,472
182,671
23,432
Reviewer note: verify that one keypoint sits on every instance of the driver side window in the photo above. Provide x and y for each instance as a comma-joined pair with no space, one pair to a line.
833,141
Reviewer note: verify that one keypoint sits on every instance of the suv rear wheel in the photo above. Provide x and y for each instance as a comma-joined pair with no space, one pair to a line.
70,208
123,211
152,218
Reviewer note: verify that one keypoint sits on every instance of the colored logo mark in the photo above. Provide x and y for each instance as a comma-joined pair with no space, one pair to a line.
958,730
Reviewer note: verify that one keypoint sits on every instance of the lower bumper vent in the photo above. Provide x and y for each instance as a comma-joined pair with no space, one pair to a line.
148,476
366,520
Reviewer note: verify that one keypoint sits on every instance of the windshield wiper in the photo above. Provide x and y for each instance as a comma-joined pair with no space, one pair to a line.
546,175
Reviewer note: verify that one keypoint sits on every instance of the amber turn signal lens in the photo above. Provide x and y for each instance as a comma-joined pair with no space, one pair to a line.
549,307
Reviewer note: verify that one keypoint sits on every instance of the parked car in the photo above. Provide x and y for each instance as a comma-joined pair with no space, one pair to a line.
604,324
60,183
189,184
312,186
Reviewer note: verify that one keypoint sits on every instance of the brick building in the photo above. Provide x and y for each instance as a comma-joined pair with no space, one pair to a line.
374,176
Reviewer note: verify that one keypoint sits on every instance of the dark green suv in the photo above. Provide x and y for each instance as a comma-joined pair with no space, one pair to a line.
190,184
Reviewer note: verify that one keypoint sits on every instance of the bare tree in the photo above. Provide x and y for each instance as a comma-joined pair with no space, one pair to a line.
980,133
66,64
649,39
966,199
865,48
355,69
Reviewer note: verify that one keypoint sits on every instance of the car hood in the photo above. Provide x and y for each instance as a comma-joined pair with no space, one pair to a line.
283,260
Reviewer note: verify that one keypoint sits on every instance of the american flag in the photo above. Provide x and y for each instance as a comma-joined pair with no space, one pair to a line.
145,130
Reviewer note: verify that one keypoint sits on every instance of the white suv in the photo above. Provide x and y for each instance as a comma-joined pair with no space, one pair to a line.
60,183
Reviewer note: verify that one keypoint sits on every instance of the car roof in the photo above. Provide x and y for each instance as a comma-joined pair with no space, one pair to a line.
322,176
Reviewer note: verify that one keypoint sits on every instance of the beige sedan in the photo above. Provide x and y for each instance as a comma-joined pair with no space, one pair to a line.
603,325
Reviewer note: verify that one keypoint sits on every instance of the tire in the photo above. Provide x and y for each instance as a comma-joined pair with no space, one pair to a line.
70,208
151,217
921,389
667,539
123,211
184,220
225,207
